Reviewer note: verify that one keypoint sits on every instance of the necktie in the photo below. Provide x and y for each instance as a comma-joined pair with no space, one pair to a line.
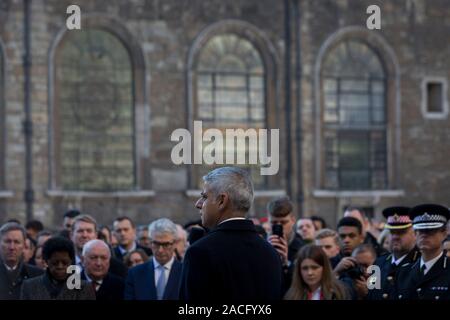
161,284
422,269
95,285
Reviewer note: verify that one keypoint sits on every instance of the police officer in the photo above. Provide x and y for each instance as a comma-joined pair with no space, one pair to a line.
403,251
429,277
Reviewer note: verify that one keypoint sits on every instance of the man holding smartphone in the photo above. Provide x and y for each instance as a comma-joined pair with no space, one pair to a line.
283,238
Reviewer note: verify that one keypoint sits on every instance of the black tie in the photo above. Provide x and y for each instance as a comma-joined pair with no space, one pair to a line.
422,269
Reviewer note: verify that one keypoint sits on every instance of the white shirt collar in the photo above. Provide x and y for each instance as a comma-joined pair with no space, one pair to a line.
99,282
399,260
124,251
11,268
238,218
167,266
316,294
429,264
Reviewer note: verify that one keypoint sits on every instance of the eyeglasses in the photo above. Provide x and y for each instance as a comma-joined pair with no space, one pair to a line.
158,244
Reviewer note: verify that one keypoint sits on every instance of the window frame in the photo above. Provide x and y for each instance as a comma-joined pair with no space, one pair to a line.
339,128
270,61
424,101
141,117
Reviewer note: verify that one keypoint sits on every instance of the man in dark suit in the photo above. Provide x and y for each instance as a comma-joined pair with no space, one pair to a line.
95,260
125,232
84,229
12,268
403,252
159,278
232,262
429,277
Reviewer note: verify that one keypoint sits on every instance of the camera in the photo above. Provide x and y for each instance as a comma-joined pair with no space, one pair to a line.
277,230
356,272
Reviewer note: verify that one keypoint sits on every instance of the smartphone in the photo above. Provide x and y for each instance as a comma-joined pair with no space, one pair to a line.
277,229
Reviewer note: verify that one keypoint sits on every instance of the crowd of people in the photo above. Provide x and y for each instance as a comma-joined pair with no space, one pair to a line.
226,256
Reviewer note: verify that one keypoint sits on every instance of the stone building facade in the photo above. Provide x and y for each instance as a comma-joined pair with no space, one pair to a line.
370,109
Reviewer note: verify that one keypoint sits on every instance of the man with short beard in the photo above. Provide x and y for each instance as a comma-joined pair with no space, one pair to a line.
403,251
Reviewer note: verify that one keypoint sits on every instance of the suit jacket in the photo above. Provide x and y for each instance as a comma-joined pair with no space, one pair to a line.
119,255
111,289
117,268
10,290
140,282
231,263
389,275
435,285
41,288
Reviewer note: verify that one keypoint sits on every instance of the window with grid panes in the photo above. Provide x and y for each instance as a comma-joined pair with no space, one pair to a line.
95,112
354,118
230,93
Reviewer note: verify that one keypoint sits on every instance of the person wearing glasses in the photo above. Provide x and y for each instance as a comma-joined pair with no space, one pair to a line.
158,278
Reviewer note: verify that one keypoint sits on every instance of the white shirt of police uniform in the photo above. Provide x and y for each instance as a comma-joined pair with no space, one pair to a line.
399,260
10,268
124,251
430,263
157,270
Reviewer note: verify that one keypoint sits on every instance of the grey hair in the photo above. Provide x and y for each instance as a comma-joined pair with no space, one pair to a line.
162,225
91,243
235,182
181,234
12,226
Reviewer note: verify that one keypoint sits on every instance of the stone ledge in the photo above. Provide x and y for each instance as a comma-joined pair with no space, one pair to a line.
258,194
6,194
320,193
94,194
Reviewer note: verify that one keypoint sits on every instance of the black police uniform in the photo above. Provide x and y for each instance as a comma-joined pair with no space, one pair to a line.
397,219
412,282
434,285
389,273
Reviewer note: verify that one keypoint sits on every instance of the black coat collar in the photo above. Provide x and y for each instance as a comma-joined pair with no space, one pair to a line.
235,225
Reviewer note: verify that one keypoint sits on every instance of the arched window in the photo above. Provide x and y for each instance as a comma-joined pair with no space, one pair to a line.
353,85
94,113
2,121
230,91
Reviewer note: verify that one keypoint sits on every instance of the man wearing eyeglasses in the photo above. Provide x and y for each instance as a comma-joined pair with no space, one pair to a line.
158,278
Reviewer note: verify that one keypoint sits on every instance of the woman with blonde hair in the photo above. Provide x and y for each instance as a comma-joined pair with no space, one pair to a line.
313,278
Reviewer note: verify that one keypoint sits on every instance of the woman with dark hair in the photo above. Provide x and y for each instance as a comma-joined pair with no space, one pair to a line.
135,257
59,254
313,278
